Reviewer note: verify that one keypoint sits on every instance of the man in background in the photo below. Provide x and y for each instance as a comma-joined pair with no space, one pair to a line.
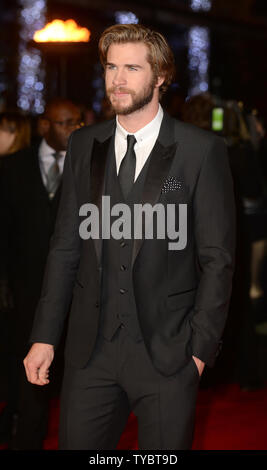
30,192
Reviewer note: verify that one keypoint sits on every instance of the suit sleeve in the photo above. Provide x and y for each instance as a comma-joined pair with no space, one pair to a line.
62,263
214,223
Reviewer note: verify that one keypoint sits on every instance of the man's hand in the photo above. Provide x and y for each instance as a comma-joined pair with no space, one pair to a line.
37,363
200,365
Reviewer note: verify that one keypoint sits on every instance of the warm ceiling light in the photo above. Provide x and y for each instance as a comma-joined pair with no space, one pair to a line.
62,31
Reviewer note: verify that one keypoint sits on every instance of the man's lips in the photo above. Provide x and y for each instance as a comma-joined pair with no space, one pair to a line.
120,92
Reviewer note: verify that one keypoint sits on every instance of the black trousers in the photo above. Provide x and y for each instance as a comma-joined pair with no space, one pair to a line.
119,378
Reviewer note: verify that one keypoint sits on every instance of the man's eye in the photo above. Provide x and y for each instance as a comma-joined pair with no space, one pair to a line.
110,67
132,68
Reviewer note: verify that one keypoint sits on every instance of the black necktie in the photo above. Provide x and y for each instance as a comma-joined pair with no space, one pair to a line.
127,167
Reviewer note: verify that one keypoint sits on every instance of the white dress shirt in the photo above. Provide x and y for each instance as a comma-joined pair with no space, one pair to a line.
145,141
46,159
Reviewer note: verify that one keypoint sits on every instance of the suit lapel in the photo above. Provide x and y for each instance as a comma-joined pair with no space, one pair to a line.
100,156
37,170
161,159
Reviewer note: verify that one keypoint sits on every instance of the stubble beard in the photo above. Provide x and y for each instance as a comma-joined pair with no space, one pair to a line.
139,101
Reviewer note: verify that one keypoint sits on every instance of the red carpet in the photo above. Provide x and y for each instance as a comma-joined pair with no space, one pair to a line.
230,419
226,419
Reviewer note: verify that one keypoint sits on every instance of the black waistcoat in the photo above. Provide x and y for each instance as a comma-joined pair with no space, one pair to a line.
118,301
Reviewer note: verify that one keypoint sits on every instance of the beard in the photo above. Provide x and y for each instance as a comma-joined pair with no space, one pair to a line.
139,100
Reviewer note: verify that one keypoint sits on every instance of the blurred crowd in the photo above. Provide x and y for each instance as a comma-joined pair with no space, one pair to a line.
32,152
244,131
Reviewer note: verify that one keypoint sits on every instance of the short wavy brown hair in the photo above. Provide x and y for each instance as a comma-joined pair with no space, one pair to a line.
159,56
19,125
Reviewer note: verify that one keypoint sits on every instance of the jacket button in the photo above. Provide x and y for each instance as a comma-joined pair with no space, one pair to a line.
122,267
122,291
123,244
97,304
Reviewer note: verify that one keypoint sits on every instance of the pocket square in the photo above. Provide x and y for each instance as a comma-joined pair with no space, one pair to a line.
171,184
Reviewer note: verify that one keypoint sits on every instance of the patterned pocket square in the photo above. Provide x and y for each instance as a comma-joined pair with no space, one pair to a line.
171,184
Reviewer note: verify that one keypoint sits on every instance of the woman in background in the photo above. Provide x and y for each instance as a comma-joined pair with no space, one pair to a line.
15,132
15,135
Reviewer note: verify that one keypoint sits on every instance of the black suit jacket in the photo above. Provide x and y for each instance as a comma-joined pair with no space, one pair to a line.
182,296
27,223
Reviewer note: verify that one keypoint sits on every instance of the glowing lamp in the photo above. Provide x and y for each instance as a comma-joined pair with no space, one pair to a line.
62,31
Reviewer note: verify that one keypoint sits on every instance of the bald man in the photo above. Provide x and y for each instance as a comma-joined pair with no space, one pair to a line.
30,192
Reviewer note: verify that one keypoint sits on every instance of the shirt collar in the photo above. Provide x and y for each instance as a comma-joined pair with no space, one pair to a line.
146,132
45,149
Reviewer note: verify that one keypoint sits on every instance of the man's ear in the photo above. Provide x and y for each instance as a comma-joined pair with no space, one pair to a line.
160,81
43,126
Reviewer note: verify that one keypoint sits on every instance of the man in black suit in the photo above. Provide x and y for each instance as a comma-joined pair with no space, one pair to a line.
30,193
145,317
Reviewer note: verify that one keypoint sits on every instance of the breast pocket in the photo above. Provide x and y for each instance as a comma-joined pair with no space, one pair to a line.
175,197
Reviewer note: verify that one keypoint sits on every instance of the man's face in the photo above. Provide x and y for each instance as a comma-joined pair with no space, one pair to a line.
130,82
61,120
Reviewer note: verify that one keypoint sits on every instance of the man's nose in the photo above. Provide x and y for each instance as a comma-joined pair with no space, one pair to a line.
119,78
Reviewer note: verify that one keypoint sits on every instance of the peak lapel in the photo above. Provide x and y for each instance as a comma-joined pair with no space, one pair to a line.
100,154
